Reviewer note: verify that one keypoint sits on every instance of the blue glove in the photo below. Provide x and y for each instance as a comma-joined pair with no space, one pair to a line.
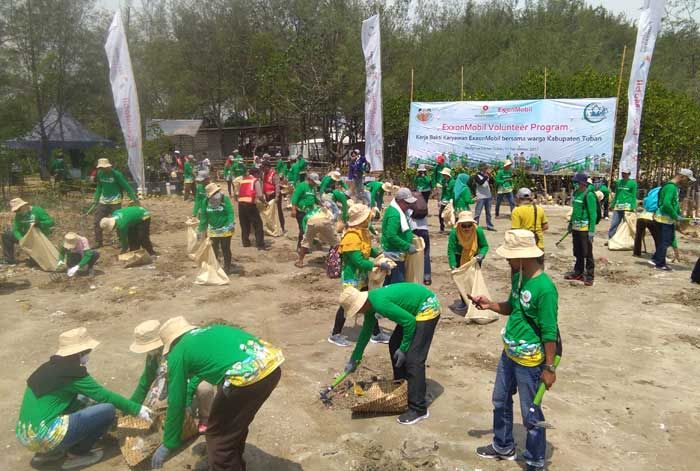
384,266
351,366
590,237
399,358
412,249
159,457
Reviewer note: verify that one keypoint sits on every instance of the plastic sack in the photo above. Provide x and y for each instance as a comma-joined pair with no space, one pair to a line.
135,258
470,282
192,242
415,268
270,220
210,272
448,215
40,249
624,236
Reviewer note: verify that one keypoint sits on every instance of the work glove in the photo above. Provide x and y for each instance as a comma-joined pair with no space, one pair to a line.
412,249
351,366
159,457
399,358
591,236
145,414
73,270
479,258
61,265
384,266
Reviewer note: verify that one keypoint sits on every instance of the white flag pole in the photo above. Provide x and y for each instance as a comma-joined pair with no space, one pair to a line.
374,137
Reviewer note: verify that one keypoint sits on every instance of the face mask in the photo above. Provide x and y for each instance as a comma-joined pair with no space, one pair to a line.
84,359
215,201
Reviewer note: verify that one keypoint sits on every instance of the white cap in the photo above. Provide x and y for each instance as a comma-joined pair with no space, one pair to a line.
686,172
404,194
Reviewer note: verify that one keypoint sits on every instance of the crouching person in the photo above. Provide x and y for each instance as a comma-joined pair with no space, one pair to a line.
26,216
245,371
53,422
76,256
133,225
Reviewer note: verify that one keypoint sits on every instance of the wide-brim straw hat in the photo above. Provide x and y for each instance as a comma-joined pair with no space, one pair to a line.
107,223
387,186
172,330
507,163
352,300
335,175
212,189
103,163
16,204
446,171
466,217
357,214
519,243
70,240
146,337
75,341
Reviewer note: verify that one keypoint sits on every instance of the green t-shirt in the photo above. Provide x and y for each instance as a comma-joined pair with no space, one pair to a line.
393,238
376,193
304,197
327,185
504,181
218,221
625,195
37,216
669,205
454,249
464,201
342,199
111,187
126,218
538,300
200,199
583,216
448,190
188,172
422,183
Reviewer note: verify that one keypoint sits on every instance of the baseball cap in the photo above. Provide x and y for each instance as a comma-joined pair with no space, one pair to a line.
524,193
581,178
686,172
404,194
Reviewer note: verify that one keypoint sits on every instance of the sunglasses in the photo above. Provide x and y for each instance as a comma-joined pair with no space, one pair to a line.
465,225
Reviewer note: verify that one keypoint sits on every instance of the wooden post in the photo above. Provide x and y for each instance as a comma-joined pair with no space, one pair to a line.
545,83
411,85
617,106
462,86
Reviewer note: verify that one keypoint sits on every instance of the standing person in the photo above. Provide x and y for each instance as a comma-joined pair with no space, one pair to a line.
53,423
218,220
304,199
419,221
483,195
75,255
528,216
438,175
446,194
200,196
462,194
422,183
582,226
466,241
245,370
58,167
606,198
625,200
668,213
355,252
250,194
133,225
280,174
328,183
356,174
188,176
109,192
239,169
228,175
299,169
26,216
504,186
376,193
529,347
416,311
397,236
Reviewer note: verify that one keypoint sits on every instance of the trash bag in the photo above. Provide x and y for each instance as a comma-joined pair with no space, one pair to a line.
270,220
210,272
624,236
470,281
135,258
192,242
448,215
414,262
40,249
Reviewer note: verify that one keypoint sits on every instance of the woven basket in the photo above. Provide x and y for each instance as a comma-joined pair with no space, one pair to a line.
383,397
139,438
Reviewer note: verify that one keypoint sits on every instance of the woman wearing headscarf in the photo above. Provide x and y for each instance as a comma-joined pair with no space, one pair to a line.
463,195
466,241
216,217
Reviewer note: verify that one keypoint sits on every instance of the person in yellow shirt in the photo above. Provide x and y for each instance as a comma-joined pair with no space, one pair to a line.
531,217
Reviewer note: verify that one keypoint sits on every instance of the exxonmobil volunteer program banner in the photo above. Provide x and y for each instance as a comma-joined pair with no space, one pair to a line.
541,135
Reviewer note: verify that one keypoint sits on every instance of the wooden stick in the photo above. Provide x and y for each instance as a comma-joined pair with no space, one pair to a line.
545,83
617,106
462,85
411,85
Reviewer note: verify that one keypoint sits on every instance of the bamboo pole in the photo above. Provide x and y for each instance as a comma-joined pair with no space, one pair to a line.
411,85
545,83
617,106
462,86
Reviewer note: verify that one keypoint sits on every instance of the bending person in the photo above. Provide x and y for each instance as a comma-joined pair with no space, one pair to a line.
467,240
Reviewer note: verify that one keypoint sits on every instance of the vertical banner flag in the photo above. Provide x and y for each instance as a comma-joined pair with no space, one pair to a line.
647,30
126,101
374,138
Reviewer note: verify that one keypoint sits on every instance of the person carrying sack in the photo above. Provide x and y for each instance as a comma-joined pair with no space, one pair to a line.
528,216
109,193
53,422
466,241
416,311
76,256
250,194
133,225
397,236
462,194
218,221
26,216
625,200
446,194
245,370
304,199
422,183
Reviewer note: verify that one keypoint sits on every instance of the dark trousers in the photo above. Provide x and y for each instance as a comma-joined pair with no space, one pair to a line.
8,246
695,276
189,191
583,252
72,259
665,233
640,234
505,196
606,206
229,185
442,221
232,412
413,370
103,211
340,321
222,244
426,195
425,235
139,236
300,217
250,218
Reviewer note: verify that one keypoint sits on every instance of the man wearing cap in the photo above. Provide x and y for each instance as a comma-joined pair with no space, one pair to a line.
239,169
484,196
466,241
529,347
504,186
217,220
446,194
582,227
75,255
416,311
297,173
318,225
26,216
625,200
53,422
188,176
397,236
200,196
422,183
133,225
304,199
666,216
250,194
245,370
376,193
528,216
109,192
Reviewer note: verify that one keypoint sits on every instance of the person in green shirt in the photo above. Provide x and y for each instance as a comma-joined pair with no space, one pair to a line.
110,189
625,200
504,186
328,183
341,199
584,217
462,198
397,235
26,216
446,194
530,345
438,175
297,174
666,216
304,199
228,175
416,311
217,219
53,422
376,191
133,225
75,255
245,370
58,167
605,203
466,241
188,176
239,169
423,183
200,196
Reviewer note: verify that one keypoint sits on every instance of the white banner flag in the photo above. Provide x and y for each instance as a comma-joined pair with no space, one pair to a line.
647,30
126,101
374,137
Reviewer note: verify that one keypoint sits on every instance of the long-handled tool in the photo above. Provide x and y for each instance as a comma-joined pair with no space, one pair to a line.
326,392
566,234
91,209
535,417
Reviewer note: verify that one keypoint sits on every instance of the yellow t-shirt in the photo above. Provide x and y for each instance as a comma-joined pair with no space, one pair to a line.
523,217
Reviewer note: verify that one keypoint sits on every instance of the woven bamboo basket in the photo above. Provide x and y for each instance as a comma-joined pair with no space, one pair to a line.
383,397
138,438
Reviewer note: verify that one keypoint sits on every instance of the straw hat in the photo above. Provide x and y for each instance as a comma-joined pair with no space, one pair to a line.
212,189
387,186
519,243
599,194
75,341
70,241
466,217
103,163
172,330
335,175
446,171
357,214
352,300
146,337
108,224
16,204
507,163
